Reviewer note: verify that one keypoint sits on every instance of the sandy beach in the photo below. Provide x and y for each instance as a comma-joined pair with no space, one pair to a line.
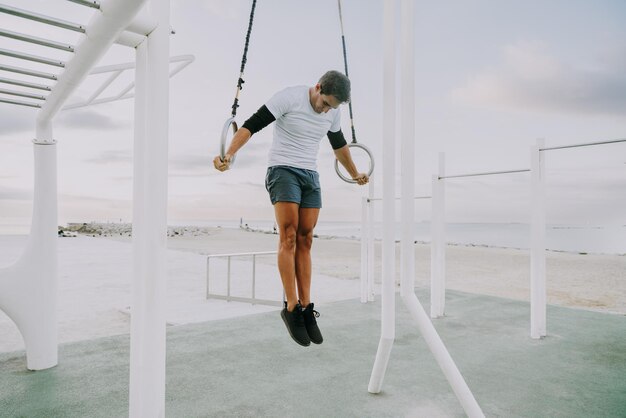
589,281
95,272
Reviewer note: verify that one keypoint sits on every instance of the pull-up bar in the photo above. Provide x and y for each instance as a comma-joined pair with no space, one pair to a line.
35,40
28,72
34,58
488,173
588,144
20,103
23,94
89,3
41,18
371,199
25,84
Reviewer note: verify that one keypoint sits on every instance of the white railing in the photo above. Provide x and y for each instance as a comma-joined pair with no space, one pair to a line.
228,297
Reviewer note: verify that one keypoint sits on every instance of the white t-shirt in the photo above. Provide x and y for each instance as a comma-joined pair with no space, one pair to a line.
298,129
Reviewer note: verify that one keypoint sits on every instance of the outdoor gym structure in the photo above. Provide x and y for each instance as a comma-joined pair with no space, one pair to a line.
28,288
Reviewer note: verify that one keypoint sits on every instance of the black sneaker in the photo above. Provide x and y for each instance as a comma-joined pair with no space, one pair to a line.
295,325
310,323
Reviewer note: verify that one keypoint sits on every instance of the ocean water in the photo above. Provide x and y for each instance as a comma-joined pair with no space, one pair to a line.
608,239
568,238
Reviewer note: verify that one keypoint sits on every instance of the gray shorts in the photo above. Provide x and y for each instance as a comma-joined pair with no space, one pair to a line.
290,184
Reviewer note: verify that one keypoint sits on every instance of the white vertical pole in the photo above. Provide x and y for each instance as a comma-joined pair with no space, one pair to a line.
147,374
407,149
365,224
438,243
538,244
436,346
388,301
140,258
371,248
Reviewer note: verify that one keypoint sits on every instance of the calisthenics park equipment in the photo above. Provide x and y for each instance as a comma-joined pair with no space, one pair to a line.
231,126
28,287
407,292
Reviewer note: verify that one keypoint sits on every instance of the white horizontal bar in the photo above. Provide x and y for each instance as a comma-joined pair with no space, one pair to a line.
129,39
143,23
103,29
28,72
242,254
29,57
588,144
104,85
23,94
184,60
488,173
131,65
35,40
398,198
89,3
253,301
18,102
25,84
41,18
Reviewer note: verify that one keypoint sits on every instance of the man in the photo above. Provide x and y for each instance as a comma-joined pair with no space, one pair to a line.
303,115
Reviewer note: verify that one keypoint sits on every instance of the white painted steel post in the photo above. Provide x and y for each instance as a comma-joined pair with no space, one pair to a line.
436,346
388,296
371,248
364,247
140,244
438,243
538,243
28,288
147,369
407,149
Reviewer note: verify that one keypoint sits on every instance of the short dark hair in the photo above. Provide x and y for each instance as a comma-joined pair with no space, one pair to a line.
334,83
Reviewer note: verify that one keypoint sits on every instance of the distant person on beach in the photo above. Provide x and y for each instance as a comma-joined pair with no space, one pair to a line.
303,115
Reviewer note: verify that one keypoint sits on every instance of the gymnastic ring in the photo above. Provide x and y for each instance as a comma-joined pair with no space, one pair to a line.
369,173
229,122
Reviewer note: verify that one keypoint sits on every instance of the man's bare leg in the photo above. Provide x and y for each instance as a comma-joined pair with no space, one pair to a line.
287,220
304,240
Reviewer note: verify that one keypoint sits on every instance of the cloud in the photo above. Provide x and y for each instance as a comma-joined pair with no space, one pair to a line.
529,78
91,119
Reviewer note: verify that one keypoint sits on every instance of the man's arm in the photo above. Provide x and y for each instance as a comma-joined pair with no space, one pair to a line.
345,158
255,123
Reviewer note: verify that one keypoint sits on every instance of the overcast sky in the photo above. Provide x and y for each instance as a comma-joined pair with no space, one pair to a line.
491,77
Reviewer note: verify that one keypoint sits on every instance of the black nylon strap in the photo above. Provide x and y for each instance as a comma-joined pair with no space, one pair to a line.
244,59
345,62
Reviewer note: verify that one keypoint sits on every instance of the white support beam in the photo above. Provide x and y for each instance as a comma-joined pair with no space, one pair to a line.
438,242
388,293
365,235
147,341
538,298
102,30
371,248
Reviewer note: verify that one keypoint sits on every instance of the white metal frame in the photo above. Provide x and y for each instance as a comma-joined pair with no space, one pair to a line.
368,252
438,259
407,292
228,297
28,287
126,93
